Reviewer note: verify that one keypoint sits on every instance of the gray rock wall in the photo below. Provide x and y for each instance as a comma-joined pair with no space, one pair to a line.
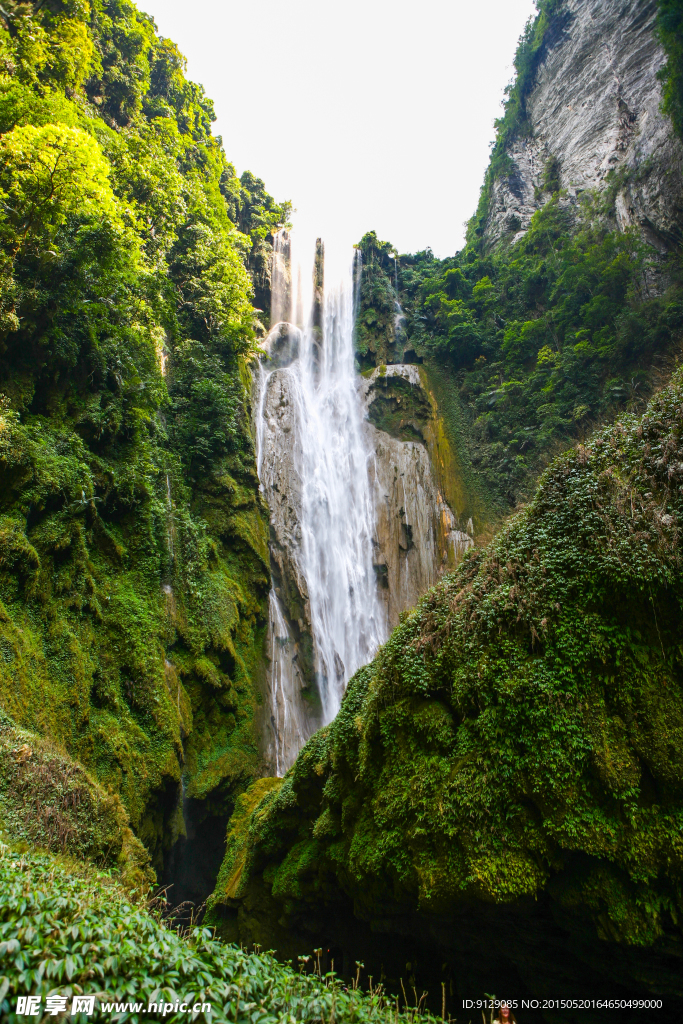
595,109
417,535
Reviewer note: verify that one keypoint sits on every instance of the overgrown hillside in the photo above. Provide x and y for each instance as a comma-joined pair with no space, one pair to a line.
133,557
500,794
574,324
539,342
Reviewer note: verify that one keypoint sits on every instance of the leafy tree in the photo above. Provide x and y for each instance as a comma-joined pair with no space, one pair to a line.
47,175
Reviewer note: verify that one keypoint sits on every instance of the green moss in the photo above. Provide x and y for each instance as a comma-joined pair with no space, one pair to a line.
518,737
48,800
449,443
228,882
399,407
133,542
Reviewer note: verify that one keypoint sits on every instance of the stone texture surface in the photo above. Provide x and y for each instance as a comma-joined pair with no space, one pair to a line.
281,482
595,107
417,534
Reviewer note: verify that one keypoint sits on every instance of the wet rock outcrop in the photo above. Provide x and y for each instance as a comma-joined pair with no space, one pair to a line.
417,534
594,123
281,484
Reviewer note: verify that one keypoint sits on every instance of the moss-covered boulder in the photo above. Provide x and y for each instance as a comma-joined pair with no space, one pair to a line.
49,801
500,799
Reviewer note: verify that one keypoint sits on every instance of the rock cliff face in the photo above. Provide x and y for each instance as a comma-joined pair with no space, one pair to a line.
417,533
291,714
594,109
281,482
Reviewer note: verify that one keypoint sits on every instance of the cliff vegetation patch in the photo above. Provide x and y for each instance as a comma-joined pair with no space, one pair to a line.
511,755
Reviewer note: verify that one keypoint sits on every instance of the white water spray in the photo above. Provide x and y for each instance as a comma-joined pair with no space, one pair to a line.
311,442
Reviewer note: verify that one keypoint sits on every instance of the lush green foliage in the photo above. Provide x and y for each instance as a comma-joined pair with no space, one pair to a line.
66,931
133,559
518,736
375,339
548,338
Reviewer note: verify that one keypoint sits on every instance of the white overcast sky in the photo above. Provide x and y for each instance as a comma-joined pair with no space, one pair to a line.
367,114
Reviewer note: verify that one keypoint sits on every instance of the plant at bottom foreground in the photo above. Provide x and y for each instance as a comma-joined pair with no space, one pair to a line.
67,930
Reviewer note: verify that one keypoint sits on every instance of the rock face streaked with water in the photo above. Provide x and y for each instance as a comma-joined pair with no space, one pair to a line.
358,527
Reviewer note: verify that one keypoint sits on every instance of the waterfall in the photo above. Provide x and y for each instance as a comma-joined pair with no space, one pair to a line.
399,317
326,618
287,714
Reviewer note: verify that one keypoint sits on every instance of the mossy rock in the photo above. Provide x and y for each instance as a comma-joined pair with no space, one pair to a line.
399,407
106,643
510,763
50,801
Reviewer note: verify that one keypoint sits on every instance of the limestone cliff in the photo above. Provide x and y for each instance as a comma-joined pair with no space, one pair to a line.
281,484
417,533
593,121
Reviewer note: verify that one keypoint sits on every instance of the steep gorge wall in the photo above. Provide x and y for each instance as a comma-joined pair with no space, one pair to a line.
593,121
134,568
510,763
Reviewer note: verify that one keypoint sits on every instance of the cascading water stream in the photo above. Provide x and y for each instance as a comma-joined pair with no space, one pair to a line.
311,443
287,721
399,316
